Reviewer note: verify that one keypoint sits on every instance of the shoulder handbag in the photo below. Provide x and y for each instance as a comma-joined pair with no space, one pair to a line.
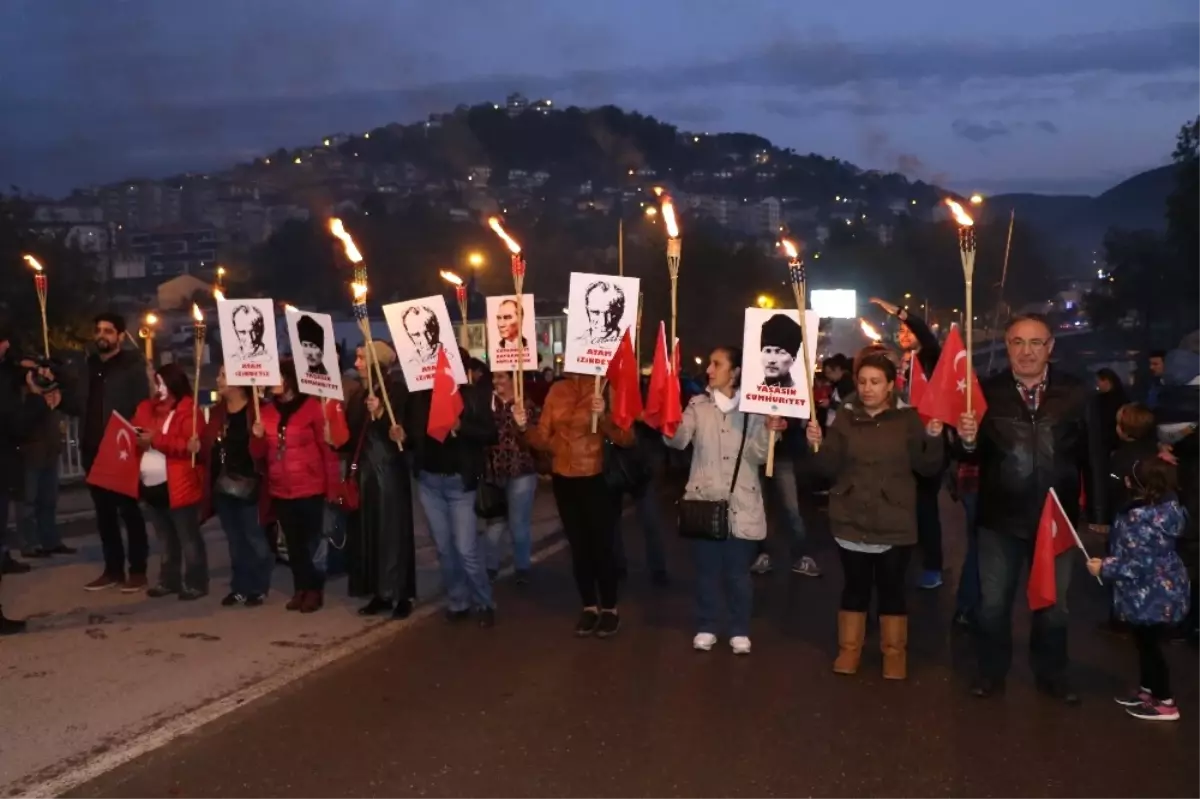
233,485
708,520
346,494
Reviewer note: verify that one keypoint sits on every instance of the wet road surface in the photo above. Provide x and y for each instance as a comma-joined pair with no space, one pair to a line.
526,709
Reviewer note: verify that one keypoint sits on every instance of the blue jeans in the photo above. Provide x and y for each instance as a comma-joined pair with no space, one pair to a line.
968,583
450,511
37,525
250,559
724,562
519,492
650,518
787,491
1002,559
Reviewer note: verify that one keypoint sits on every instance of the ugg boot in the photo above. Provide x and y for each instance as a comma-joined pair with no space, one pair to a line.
852,629
296,601
893,642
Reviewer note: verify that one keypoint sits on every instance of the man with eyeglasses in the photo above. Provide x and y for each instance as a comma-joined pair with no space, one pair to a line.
1040,432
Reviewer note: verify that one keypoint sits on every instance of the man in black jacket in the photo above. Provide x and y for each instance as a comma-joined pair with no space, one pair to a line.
918,343
114,379
1040,432
448,473
21,407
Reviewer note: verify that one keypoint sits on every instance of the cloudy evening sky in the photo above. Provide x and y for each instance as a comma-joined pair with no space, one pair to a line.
1065,95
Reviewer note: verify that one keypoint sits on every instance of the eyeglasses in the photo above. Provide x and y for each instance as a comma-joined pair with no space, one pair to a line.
1033,343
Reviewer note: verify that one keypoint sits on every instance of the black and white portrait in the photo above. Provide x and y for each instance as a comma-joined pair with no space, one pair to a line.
315,352
601,309
421,329
248,341
774,380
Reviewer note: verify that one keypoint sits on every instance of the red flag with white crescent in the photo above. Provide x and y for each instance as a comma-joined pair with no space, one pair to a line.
117,465
446,405
945,397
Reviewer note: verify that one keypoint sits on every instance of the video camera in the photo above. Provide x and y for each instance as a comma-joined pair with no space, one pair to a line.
35,363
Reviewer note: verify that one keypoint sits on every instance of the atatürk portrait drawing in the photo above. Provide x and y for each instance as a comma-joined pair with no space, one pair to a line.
249,328
424,332
604,303
779,345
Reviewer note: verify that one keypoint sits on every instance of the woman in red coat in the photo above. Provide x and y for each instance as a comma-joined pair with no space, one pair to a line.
302,473
171,487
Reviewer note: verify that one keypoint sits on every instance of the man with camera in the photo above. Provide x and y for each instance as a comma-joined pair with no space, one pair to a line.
27,395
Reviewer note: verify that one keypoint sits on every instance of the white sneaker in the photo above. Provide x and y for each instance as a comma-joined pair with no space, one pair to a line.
703,642
740,645
762,564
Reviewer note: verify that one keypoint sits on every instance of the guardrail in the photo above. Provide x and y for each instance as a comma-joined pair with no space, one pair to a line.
70,461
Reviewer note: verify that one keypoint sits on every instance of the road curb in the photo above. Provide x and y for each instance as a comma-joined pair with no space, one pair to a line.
158,732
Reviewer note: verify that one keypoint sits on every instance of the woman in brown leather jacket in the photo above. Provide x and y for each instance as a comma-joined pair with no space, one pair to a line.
587,508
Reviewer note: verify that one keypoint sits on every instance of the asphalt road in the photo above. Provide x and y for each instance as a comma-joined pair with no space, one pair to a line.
526,709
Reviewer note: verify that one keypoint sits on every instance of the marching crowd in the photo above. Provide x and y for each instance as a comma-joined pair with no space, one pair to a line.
344,474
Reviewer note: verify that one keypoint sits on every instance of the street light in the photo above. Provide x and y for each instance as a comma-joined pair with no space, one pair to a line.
976,199
651,211
475,259
765,301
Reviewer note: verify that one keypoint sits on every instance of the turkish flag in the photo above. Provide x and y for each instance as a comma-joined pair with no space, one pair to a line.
626,392
446,405
660,376
945,396
117,465
1055,535
672,404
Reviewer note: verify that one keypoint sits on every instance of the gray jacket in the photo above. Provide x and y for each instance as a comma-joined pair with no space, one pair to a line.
716,437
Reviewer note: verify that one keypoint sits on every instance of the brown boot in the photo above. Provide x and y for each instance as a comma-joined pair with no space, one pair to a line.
313,600
296,601
893,642
852,629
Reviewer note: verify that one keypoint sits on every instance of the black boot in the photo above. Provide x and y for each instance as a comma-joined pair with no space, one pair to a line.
10,626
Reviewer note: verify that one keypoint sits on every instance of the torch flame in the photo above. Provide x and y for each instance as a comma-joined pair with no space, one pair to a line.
450,277
359,290
960,216
790,248
339,232
196,313
218,295
869,330
151,319
289,308
509,241
220,271
668,215
29,259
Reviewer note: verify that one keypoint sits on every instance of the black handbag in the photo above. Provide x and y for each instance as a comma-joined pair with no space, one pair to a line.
491,500
705,519
625,468
233,485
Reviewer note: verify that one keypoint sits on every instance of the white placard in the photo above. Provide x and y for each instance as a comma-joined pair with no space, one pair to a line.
248,342
773,377
314,350
502,336
834,303
600,309
420,328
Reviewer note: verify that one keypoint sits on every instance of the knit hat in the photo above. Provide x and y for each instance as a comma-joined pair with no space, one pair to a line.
384,353
783,332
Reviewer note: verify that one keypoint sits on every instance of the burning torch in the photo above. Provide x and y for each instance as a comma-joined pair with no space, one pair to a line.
460,295
199,332
674,249
966,252
359,291
518,276
39,283
146,333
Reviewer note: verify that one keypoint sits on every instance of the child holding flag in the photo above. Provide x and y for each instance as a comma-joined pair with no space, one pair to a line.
1151,591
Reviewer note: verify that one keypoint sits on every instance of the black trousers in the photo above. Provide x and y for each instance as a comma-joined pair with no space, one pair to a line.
303,522
883,571
929,522
588,510
1155,676
112,509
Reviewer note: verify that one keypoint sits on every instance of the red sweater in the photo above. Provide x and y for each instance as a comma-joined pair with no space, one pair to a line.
308,468
184,482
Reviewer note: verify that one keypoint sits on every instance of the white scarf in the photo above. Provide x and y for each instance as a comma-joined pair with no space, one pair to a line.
724,404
